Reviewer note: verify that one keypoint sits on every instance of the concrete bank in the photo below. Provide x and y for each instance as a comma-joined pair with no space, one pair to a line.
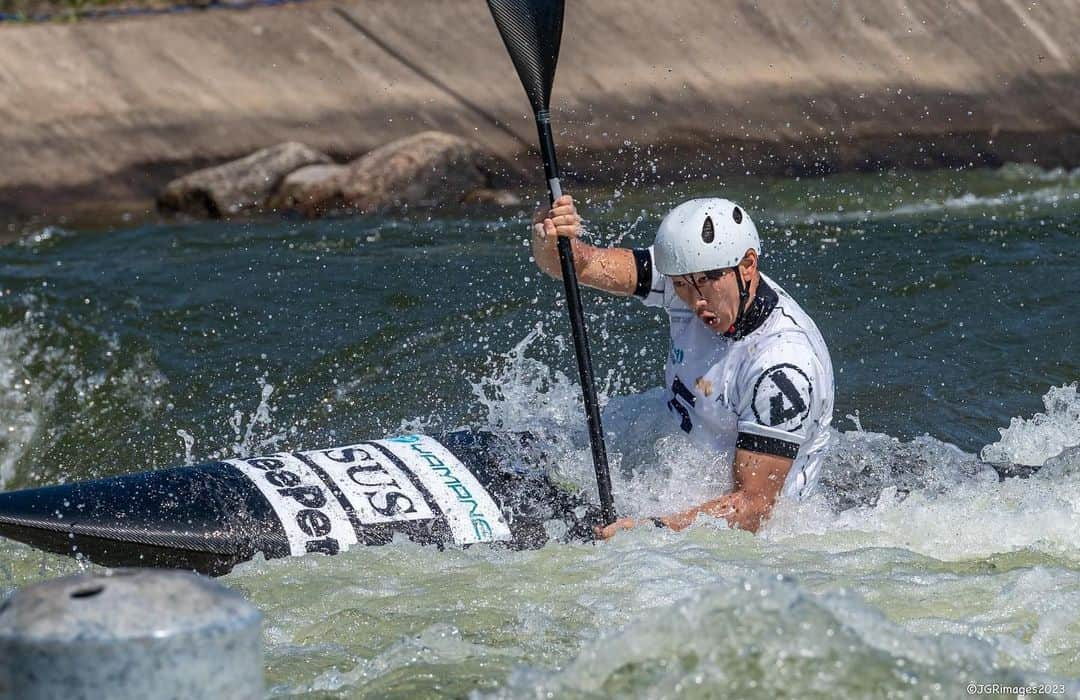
104,112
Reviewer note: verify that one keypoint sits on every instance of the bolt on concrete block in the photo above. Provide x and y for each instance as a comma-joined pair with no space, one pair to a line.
130,634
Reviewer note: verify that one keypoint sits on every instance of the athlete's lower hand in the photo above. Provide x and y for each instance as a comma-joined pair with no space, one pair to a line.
608,531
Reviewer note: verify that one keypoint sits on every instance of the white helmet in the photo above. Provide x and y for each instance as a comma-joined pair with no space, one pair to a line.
704,234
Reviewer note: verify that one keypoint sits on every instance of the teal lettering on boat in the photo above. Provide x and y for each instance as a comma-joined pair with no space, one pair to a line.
481,526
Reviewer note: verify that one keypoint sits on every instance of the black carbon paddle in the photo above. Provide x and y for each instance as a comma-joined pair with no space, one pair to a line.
532,32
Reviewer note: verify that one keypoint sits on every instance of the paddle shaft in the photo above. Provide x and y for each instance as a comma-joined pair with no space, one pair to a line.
577,327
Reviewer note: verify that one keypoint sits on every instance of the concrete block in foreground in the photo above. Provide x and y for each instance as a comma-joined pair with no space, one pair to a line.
127,634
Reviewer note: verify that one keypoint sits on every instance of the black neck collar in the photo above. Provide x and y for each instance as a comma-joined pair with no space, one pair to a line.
760,307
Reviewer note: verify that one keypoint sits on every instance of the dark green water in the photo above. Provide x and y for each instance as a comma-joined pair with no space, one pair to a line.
942,318
949,302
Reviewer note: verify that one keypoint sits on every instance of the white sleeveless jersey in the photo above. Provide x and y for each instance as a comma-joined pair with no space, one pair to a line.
770,391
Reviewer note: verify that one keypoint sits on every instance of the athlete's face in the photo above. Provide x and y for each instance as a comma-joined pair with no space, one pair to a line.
713,296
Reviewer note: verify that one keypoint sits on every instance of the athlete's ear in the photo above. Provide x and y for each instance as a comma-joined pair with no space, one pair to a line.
748,266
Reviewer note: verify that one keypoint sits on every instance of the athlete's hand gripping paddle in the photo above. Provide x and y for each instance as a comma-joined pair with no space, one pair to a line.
532,31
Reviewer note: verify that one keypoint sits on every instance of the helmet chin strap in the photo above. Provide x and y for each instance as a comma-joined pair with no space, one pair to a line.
744,295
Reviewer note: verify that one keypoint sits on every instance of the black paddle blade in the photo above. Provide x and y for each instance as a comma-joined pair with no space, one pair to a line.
532,32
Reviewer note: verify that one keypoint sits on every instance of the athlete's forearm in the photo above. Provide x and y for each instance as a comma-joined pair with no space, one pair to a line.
739,508
608,269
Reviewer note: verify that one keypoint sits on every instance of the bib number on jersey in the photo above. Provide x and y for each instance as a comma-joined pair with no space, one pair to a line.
679,390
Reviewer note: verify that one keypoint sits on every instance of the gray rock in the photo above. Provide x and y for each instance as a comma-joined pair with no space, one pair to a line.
237,186
312,190
427,169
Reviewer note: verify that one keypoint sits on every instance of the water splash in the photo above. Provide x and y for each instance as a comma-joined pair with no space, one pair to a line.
930,497
654,467
189,445
254,433
923,495
1034,440
20,401
522,394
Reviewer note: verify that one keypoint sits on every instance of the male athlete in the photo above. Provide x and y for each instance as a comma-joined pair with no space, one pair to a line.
748,370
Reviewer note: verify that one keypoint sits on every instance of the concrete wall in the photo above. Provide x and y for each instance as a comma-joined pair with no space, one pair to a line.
110,109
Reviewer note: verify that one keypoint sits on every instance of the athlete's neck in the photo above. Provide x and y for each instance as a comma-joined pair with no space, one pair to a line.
758,309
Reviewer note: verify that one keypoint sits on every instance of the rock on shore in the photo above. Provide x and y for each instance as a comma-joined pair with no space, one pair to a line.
429,169
313,190
426,170
237,186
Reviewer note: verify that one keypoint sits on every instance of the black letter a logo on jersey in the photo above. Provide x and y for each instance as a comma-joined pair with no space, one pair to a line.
783,393
788,395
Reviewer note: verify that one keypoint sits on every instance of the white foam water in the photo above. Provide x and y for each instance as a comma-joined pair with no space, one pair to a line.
913,572
931,574
1053,197
1034,440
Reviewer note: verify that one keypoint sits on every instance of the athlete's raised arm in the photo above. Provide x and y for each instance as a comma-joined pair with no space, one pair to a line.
609,269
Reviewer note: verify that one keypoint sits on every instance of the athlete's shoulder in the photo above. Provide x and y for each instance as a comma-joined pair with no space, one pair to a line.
787,312
781,377
791,329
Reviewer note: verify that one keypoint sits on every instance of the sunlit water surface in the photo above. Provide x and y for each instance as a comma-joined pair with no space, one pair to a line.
949,304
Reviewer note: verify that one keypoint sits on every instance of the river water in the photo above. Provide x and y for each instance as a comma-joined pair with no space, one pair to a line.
949,302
